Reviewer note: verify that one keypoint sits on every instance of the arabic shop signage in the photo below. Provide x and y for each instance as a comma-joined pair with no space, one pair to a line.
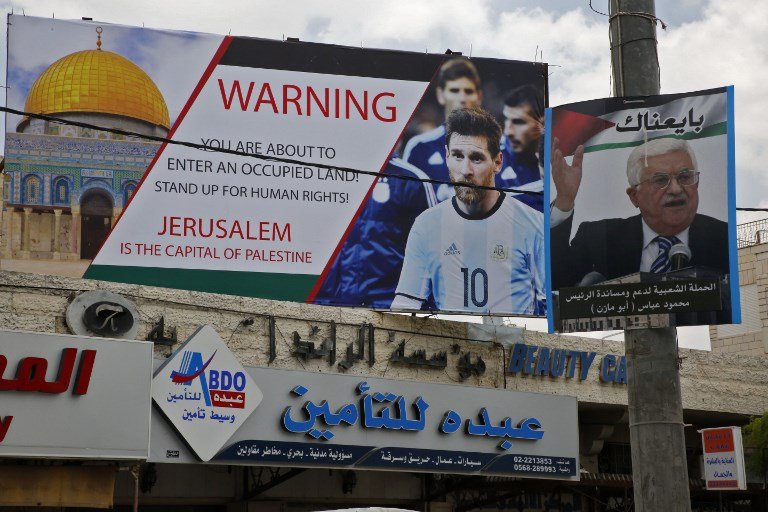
568,364
631,299
204,392
81,382
723,459
324,420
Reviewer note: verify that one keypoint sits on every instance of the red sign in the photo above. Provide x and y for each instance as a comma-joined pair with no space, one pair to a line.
234,399
724,484
30,374
718,440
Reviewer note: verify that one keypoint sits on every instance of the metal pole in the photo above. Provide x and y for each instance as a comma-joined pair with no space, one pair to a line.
659,468
765,481
135,473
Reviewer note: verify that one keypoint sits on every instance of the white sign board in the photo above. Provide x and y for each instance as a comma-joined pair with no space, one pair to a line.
204,392
724,459
74,396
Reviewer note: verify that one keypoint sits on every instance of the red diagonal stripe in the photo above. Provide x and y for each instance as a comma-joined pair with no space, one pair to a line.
574,128
180,378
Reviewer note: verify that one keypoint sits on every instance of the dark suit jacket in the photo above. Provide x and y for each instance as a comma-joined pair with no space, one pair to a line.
613,248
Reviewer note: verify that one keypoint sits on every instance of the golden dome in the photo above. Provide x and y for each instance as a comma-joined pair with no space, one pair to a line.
98,81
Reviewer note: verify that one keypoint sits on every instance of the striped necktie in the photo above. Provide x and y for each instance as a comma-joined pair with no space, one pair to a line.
662,264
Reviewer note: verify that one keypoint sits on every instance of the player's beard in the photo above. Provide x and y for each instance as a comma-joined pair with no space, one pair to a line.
472,196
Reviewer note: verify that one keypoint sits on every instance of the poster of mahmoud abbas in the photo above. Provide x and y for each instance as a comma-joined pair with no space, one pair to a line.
641,231
316,173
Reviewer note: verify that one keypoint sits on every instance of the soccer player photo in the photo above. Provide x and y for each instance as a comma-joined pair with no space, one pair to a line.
483,250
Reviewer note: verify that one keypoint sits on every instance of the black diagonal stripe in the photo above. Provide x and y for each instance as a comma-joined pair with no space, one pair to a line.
331,59
608,105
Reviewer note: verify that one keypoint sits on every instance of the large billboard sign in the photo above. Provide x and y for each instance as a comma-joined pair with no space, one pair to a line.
214,410
74,397
312,173
641,229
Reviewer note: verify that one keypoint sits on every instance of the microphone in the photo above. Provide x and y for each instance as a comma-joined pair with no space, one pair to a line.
591,278
680,256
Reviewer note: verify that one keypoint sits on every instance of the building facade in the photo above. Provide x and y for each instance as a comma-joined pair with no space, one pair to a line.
65,185
718,389
751,336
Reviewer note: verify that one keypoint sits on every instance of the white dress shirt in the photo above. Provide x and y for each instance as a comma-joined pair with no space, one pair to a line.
651,246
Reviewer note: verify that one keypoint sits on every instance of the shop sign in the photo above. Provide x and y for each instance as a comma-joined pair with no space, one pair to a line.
204,392
724,459
74,396
304,419
567,364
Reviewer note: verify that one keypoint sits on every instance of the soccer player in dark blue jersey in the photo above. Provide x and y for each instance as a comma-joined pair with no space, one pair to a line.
520,145
366,271
458,85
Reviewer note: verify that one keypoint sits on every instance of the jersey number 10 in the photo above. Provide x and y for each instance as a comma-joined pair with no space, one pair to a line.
475,282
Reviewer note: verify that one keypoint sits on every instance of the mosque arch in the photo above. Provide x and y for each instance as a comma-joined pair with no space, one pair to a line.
61,191
128,189
31,190
96,208
6,188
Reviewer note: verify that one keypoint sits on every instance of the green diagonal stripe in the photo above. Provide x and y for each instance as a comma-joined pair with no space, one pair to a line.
709,131
290,287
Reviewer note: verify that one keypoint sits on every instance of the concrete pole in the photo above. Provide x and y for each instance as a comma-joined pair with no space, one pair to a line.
634,59
659,469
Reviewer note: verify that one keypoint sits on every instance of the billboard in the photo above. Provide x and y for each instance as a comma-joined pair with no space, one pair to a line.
210,408
95,392
641,232
294,171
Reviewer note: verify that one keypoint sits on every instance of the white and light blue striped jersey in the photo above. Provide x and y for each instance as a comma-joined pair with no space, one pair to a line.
488,264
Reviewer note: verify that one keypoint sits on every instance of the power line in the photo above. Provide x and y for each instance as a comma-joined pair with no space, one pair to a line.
203,147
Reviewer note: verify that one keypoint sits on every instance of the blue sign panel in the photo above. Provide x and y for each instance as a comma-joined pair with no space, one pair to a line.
321,420
567,364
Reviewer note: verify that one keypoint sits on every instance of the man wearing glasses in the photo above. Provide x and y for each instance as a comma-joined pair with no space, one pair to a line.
663,185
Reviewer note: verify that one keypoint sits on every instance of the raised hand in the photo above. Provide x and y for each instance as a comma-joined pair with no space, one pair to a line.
567,178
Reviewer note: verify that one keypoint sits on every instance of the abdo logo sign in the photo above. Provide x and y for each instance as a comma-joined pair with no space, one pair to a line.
220,388
205,392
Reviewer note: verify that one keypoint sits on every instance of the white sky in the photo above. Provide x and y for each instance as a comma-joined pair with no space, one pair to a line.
706,44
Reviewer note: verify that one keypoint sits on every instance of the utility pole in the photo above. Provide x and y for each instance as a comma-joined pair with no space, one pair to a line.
657,437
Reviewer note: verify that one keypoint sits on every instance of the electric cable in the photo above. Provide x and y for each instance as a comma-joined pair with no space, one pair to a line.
268,158
203,147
